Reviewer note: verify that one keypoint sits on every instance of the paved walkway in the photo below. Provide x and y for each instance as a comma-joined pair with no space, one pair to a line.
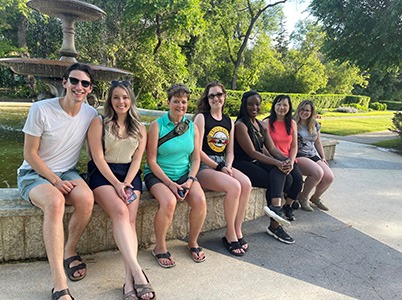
352,252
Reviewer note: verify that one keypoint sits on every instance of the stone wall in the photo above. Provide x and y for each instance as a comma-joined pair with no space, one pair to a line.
21,223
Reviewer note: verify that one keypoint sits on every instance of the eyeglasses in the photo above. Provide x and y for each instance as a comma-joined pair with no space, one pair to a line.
121,82
75,81
212,96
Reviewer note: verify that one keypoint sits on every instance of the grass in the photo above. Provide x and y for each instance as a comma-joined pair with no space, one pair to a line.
355,124
395,144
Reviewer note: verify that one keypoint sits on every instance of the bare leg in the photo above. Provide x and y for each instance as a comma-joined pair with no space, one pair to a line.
221,182
243,201
196,200
314,174
81,197
52,202
163,218
123,220
325,182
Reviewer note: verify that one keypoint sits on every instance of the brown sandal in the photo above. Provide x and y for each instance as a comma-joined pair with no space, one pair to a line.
142,289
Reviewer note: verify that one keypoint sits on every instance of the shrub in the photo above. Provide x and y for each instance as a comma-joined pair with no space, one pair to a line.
345,109
392,105
378,106
355,99
397,123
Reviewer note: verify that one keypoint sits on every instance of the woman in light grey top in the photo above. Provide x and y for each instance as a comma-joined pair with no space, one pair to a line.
311,157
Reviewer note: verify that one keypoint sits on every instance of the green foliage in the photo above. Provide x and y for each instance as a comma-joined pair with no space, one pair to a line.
392,105
365,32
397,123
378,106
355,99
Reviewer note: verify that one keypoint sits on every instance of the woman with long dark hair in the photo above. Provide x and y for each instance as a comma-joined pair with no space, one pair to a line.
216,172
258,158
283,131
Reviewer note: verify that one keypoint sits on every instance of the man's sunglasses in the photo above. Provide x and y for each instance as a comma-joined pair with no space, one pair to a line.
124,83
75,81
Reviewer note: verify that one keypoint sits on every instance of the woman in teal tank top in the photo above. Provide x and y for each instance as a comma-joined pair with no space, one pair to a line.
170,175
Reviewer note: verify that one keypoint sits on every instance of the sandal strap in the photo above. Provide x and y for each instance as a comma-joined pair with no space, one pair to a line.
143,289
163,255
196,250
59,294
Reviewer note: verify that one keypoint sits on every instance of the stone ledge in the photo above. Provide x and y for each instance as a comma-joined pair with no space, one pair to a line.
21,224
329,148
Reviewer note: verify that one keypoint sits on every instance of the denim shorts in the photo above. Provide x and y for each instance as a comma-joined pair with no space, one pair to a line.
28,179
215,158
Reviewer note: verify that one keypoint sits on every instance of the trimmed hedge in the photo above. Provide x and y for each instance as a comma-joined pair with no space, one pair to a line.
233,98
392,105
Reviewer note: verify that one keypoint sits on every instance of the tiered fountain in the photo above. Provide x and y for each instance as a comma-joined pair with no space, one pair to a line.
51,71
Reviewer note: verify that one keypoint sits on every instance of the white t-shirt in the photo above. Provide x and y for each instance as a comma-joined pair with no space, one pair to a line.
62,136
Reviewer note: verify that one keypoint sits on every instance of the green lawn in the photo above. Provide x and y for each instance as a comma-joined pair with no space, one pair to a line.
354,124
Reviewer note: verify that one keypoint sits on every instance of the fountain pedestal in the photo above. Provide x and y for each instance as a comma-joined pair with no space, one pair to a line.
51,71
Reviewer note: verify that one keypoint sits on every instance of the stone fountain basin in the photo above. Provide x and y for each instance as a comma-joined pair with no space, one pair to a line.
77,10
55,68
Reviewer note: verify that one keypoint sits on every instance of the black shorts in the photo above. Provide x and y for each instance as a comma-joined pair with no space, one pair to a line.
315,158
119,170
150,180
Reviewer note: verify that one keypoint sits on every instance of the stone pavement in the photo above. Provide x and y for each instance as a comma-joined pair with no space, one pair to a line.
354,251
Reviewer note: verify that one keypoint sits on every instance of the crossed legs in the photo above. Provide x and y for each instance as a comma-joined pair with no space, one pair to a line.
124,231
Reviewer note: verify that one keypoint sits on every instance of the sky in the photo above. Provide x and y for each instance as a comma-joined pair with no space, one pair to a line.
294,12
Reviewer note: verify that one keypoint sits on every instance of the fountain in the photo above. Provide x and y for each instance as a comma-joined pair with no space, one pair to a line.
51,71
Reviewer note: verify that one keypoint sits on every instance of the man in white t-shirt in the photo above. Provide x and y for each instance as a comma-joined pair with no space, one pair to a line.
55,132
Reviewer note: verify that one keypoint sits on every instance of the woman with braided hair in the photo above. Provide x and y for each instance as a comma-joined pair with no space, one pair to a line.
258,158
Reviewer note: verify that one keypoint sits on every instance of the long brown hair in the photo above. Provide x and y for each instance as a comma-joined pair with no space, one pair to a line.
203,103
133,120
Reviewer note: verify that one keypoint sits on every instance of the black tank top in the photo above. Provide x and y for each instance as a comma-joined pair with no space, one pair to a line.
216,134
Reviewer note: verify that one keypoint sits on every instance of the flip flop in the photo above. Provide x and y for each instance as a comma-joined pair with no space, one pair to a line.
71,270
197,251
232,246
243,242
166,255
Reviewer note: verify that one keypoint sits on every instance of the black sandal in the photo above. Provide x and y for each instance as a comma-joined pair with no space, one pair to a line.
71,270
232,246
243,242
59,294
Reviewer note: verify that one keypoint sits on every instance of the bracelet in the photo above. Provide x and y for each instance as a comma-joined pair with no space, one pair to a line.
192,178
220,166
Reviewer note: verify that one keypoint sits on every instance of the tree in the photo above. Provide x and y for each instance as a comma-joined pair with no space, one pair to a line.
368,33
343,78
238,21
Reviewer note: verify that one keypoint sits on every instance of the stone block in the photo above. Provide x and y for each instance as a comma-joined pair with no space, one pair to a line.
34,244
14,238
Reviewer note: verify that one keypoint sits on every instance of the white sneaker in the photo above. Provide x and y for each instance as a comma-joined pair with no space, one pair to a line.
277,217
